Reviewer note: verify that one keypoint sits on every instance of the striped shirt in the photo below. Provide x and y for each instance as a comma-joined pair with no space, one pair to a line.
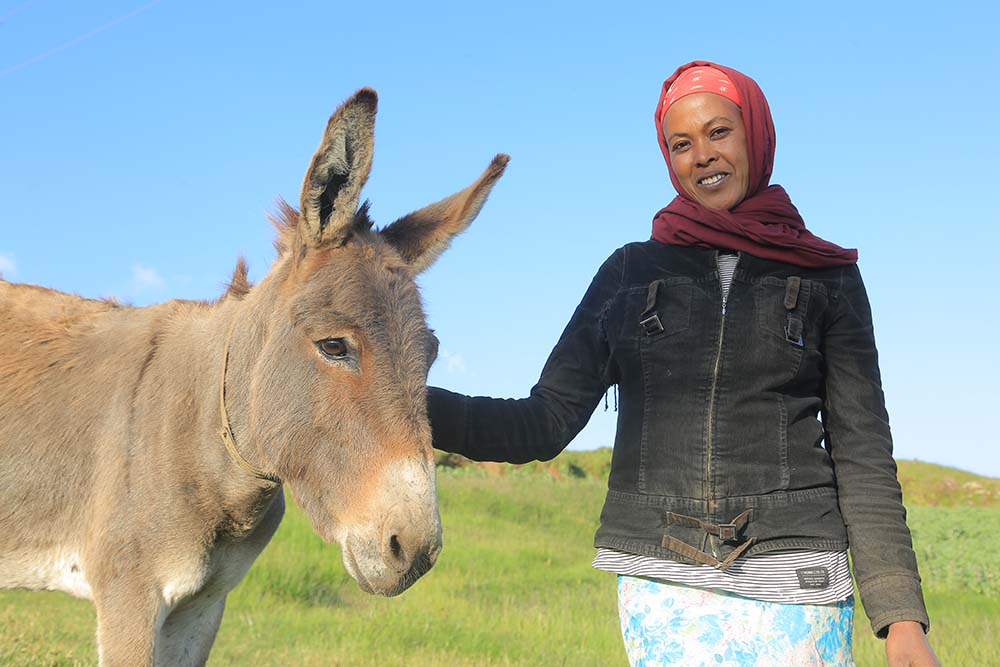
727,267
790,577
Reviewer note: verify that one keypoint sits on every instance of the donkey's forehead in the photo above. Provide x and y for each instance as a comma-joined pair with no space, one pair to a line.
365,250
364,278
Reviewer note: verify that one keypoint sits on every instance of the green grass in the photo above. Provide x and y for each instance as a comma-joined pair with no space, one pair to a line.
962,631
513,587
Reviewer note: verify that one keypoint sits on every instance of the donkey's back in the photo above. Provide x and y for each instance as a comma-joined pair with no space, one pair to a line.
46,444
69,372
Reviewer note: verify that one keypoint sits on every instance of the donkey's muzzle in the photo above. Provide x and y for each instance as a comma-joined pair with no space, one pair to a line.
395,565
402,539
409,550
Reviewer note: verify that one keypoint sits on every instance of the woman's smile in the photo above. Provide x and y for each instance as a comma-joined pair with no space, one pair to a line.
712,180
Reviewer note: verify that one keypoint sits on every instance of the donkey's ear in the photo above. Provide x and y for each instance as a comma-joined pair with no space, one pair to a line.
338,171
423,235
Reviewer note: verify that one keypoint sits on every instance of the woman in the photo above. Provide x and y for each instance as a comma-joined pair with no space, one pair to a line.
740,343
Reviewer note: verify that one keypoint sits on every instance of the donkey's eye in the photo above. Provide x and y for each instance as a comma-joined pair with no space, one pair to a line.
333,348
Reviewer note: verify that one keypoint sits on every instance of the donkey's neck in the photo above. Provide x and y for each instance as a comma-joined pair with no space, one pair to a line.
178,411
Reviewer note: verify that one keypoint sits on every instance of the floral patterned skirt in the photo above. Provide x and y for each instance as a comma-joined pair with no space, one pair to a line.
670,624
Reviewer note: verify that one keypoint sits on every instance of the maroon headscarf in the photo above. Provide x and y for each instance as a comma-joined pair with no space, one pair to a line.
766,223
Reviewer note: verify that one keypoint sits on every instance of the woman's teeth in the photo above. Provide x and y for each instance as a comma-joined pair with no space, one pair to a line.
711,180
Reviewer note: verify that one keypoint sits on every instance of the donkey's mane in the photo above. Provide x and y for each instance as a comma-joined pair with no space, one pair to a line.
239,285
286,221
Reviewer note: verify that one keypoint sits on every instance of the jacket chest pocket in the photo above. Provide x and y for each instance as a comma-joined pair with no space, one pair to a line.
789,324
644,316
660,309
783,311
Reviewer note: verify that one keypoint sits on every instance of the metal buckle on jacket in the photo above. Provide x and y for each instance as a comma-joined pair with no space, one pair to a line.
728,531
793,331
652,325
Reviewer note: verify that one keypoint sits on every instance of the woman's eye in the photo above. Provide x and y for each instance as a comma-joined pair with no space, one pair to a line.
680,145
720,132
334,348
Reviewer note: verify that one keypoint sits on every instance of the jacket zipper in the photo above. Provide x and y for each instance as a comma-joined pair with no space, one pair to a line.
715,382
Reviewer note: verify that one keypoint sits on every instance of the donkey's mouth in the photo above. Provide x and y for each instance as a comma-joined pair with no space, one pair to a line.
421,565
351,563
388,583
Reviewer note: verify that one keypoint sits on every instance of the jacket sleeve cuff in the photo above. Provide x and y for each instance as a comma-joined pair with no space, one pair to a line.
892,598
448,415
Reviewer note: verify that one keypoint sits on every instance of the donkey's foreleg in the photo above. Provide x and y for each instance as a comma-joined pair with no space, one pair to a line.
127,624
189,632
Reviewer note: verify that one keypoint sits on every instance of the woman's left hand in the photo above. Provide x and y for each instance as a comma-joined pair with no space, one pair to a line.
907,646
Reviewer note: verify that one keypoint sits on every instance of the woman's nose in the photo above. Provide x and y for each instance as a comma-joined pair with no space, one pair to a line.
705,155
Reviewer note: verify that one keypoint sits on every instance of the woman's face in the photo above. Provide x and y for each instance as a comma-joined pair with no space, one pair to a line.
707,144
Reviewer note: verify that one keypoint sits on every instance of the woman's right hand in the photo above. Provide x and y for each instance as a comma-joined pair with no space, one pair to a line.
907,646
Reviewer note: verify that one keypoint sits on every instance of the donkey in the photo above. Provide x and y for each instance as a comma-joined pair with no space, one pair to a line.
143,451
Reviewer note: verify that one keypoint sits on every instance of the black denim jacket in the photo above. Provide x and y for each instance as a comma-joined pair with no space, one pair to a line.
724,410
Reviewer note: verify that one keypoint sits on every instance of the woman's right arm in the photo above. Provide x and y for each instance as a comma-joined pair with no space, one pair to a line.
571,384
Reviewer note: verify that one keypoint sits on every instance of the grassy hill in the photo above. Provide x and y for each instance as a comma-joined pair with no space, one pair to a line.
513,586
927,484
924,484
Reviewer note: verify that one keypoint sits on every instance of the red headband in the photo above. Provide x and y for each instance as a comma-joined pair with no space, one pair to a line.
704,79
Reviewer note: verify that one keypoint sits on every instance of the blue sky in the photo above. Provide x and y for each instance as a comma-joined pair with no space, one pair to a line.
142,143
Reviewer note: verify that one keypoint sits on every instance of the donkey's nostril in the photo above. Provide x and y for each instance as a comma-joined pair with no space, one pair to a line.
395,556
395,547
